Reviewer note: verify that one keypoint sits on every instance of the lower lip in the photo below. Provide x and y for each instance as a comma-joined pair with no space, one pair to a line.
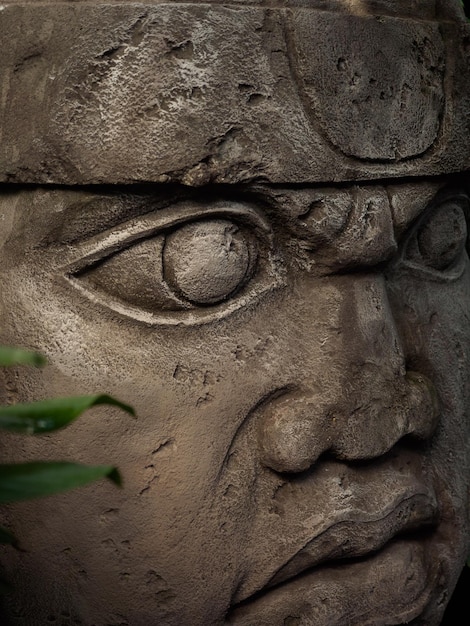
392,587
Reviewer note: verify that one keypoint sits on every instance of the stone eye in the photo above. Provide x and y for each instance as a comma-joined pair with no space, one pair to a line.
438,243
206,262
188,264
442,238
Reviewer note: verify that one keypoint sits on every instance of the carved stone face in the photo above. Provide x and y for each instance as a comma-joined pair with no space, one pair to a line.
291,331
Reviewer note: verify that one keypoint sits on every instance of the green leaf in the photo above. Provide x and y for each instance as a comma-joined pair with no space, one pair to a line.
6,536
17,356
47,415
23,481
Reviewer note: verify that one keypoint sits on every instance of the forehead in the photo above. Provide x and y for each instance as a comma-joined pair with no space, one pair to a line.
196,93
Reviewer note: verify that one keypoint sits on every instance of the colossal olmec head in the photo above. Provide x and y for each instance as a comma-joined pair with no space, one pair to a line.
249,220
295,91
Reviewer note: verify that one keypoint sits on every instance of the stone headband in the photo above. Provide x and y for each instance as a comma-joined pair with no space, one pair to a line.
419,9
205,92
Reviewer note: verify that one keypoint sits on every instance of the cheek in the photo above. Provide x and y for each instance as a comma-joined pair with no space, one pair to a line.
433,319
180,383
191,387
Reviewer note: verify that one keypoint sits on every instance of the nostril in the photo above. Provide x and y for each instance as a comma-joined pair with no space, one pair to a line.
407,408
295,428
292,433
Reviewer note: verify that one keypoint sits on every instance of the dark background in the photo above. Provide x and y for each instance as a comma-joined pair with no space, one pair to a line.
458,609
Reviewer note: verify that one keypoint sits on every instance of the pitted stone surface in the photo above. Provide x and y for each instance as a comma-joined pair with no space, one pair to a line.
248,220
129,92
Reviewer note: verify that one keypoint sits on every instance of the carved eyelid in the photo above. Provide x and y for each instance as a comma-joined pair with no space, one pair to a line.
453,273
101,246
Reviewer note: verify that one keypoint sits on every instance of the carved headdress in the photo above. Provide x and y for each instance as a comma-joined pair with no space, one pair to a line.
291,91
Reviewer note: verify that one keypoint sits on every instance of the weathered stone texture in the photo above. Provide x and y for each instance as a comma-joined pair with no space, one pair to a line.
120,93
284,298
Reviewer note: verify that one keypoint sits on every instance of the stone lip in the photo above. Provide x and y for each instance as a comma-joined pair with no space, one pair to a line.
202,93
354,538
402,592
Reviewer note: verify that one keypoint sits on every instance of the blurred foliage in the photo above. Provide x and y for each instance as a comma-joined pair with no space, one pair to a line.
23,481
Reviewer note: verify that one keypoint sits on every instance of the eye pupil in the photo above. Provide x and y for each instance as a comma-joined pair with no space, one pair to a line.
207,261
443,237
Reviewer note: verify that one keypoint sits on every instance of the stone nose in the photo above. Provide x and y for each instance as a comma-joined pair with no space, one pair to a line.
354,402
294,430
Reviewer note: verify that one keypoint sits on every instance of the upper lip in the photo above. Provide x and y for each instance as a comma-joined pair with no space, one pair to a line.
356,536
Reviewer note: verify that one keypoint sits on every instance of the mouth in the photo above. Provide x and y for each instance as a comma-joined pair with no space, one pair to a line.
357,538
390,587
348,541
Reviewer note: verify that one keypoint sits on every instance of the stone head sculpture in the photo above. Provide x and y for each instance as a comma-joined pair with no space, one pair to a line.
248,220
